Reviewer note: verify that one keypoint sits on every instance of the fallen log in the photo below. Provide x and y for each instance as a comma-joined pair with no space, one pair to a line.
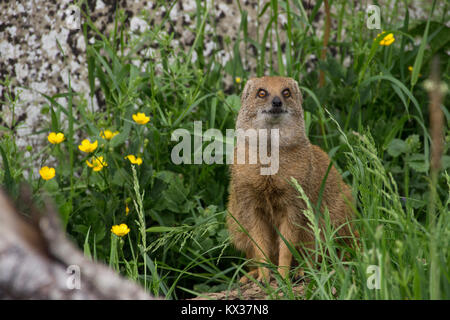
37,261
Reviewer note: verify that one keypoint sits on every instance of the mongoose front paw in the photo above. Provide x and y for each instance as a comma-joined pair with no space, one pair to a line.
263,275
251,275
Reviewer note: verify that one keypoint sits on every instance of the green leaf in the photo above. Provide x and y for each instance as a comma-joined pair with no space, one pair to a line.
445,162
418,162
416,284
234,102
396,147
420,53
166,176
125,133
159,229
156,278
51,186
55,124
86,248
175,196
7,180
64,212
188,109
120,177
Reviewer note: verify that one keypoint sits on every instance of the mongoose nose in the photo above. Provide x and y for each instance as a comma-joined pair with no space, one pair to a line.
276,102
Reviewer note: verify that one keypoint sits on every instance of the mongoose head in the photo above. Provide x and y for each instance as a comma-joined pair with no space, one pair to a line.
273,102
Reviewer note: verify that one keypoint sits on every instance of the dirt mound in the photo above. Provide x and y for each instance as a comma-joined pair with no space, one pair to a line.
254,291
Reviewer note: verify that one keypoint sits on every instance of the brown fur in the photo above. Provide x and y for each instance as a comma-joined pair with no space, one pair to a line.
260,202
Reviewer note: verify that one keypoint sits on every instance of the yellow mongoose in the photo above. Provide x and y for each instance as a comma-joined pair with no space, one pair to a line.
261,202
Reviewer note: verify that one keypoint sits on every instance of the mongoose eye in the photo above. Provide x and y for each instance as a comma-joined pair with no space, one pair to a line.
262,93
286,93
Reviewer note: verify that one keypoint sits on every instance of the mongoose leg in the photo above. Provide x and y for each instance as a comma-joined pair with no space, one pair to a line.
285,255
259,233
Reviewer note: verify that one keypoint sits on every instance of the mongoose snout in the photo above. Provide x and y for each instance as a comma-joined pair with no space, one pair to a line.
262,204
276,102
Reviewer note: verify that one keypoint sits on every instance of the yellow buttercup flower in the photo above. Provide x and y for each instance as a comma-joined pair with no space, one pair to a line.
387,39
120,230
47,173
108,135
134,160
127,210
140,118
55,138
87,146
97,163
238,80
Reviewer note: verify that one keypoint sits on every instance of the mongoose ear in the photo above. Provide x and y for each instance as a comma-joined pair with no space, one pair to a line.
249,86
297,91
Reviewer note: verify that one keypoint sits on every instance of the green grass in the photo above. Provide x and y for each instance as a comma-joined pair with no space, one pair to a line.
371,118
